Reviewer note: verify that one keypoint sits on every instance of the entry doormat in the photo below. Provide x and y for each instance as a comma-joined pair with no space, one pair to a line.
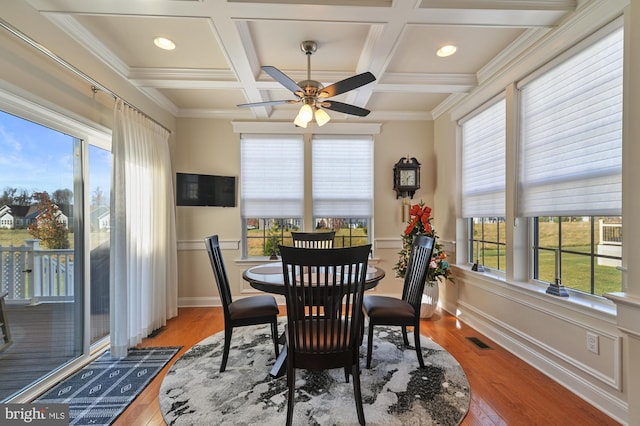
102,390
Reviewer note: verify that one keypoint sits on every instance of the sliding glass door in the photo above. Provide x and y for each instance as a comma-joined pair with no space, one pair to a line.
100,227
54,246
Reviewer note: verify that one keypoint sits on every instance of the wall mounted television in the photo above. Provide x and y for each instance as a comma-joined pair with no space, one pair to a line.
205,190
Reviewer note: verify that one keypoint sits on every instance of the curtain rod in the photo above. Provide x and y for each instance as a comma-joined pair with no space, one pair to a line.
95,85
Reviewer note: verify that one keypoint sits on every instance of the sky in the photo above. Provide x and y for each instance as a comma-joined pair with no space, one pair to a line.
36,158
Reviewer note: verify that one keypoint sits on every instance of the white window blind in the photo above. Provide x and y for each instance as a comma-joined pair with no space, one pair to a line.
571,155
342,176
272,176
483,163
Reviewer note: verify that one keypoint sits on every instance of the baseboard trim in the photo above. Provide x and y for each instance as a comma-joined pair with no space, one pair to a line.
615,408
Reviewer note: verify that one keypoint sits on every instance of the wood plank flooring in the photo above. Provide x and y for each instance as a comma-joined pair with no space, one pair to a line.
43,340
504,390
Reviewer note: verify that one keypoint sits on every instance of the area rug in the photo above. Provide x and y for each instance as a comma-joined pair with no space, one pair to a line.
395,390
102,390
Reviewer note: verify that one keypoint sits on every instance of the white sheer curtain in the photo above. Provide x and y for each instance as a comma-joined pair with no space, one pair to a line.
144,289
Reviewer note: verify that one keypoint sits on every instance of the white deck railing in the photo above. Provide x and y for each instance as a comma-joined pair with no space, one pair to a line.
31,274
610,243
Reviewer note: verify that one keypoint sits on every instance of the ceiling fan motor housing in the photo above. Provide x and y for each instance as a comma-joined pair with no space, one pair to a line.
308,47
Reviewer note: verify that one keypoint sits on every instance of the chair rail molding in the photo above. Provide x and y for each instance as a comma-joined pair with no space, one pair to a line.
199,245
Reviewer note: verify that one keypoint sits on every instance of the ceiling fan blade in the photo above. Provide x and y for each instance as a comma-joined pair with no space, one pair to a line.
345,108
347,84
267,103
283,79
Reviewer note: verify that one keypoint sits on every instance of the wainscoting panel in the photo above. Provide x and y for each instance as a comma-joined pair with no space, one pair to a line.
552,340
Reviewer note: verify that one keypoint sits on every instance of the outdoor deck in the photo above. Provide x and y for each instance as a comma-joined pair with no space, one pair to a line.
43,340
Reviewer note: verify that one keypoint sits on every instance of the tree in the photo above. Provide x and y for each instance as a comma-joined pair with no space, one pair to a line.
7,196
97,199
62,196
47,227
23,198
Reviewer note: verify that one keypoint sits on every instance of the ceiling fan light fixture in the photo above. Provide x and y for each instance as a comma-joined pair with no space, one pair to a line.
299,122
446,50
322,117
164,43
306,113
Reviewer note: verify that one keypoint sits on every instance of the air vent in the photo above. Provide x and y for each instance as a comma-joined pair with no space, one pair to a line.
479,343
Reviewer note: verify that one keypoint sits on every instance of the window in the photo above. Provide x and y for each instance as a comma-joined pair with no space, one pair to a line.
483,184
272,190
586,249
342,187
571,166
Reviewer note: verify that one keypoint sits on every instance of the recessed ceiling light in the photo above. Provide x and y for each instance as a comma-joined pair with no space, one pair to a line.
447,50
164,43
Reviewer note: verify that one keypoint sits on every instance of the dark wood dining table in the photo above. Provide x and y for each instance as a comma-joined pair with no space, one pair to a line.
269,278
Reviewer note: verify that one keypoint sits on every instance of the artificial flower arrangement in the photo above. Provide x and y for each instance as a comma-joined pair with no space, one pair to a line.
420,224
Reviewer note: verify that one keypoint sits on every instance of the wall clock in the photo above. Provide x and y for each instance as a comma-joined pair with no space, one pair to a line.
406,177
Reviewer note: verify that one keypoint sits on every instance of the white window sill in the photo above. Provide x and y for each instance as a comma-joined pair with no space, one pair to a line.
594,306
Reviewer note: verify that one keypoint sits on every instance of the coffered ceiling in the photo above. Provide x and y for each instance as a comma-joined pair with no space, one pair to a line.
221,46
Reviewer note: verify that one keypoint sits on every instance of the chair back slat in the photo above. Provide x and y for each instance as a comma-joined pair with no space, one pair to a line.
417,270
313,239
323,291
219,271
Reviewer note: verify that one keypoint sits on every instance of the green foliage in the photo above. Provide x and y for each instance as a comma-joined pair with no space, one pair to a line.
419,223
271,245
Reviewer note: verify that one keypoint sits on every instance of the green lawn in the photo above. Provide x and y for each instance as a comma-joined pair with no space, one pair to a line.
17,237
576,270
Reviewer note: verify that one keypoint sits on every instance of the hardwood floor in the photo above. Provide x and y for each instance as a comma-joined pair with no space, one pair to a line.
504,390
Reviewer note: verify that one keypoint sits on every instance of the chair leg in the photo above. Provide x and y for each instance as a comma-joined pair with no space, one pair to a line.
274,335
227,343
416,338
357,393
404,335
346,374
370,344
291,382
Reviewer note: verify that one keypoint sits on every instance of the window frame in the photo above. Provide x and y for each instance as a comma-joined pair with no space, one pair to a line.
348,130
559,250
582,49
86,133
360,220
478,245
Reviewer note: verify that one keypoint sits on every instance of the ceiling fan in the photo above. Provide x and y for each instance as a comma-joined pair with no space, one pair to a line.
313,95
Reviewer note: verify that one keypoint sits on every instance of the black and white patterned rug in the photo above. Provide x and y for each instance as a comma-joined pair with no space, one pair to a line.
102,390
395,390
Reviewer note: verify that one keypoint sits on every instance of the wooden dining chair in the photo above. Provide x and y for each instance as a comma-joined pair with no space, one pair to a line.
384,310
252,310
313,239
324,290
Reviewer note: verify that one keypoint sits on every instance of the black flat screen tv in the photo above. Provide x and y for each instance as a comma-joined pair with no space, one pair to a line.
205,190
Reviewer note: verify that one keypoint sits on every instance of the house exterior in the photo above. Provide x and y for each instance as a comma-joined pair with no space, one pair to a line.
100,219
20,217
7,220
